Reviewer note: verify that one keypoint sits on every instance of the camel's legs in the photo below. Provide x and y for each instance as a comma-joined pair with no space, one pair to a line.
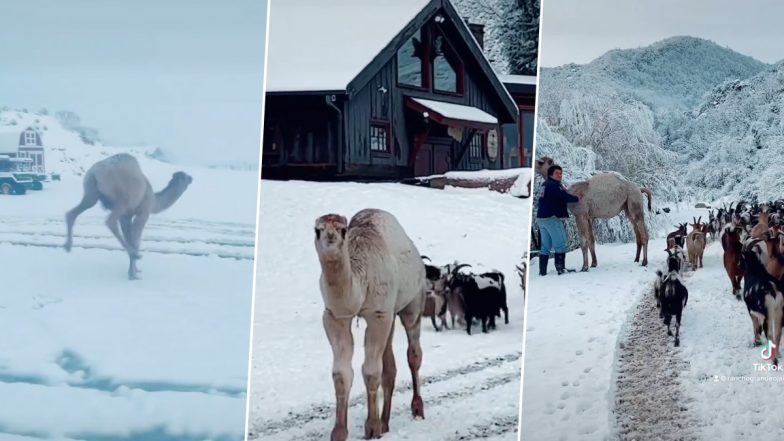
126,227
139,221
583,228
388,373
643,240
376,339
113,223
411,318
592,243
342,342
89,199
637,237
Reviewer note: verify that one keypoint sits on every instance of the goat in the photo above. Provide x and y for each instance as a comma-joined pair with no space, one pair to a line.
673,248
678,235
482,297
672,296
695,243
762,225
498,277
774,240
732,245
763,296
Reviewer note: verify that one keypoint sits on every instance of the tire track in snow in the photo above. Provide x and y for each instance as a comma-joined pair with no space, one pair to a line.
438,400
649,404
197,240
326,411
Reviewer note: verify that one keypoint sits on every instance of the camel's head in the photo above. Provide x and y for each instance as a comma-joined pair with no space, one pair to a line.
542,164
181,180
330,232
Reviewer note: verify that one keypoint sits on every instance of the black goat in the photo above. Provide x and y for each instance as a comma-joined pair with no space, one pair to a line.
481,302
498,277
672,295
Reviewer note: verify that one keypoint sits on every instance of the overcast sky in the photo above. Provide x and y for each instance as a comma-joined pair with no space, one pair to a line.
575,31
185,75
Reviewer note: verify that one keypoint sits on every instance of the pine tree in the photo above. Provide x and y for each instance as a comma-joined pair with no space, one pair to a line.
520,35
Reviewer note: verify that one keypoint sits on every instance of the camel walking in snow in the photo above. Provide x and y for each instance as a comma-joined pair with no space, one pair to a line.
605,196
370,268
122,188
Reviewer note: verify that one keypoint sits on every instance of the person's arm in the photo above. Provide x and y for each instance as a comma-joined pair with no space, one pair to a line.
566,196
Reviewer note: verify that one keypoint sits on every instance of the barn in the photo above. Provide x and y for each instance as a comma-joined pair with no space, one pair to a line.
381,90
23,143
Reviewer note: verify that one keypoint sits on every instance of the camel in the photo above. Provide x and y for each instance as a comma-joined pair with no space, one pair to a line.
122,188
371,269
605,195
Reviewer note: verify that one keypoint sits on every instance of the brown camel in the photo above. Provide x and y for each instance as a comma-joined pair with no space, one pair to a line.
605,195
370,268
122,188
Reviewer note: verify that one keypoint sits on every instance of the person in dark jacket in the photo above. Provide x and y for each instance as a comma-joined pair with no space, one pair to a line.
553,198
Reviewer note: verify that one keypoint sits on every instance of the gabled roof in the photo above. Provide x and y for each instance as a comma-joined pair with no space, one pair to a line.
321,45
338,45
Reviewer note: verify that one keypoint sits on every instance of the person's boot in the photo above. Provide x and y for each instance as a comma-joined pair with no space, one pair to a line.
560,264
543,265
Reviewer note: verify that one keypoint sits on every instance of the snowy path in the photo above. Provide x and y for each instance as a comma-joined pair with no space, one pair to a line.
471,384
600,366
649,402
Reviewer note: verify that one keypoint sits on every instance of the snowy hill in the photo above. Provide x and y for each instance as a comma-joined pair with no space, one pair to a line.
674,73
65,151
671,75
734,138
624,110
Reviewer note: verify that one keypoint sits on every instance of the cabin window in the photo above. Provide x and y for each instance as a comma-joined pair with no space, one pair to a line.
409,62
446,67
379,137
29,138
475,148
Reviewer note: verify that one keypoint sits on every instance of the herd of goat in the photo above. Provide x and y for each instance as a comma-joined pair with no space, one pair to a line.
465,296
752,239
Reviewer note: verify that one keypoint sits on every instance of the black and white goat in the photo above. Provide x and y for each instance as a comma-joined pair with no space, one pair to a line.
764,297
671,295
483,297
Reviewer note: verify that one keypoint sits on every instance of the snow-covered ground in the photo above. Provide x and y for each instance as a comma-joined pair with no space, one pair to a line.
471,384
599,365
88,354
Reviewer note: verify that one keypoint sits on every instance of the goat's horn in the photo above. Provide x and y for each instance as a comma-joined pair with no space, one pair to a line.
457,268
426,258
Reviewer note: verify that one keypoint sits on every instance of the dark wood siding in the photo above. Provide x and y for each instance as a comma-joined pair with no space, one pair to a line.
371,102
304,129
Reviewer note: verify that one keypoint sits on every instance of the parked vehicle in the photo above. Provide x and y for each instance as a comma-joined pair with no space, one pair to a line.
24,168
11,180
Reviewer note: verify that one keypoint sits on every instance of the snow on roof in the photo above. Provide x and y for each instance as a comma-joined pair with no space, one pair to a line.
319,45
518,79
458,111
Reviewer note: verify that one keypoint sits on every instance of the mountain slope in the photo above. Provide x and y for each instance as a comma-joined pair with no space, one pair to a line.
734,138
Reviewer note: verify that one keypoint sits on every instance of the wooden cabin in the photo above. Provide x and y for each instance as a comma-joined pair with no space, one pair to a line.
380,90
